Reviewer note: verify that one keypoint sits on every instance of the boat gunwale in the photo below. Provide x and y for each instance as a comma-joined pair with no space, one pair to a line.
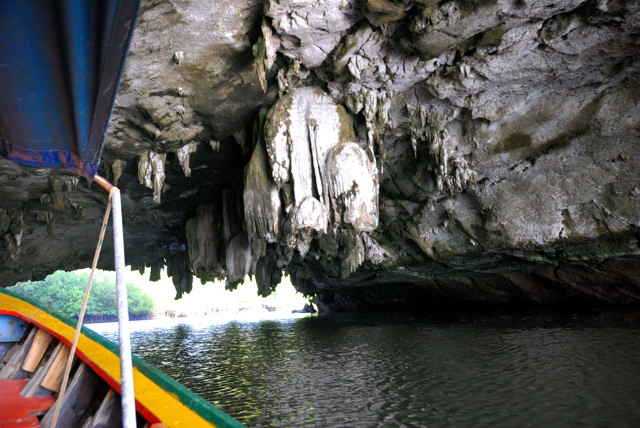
196,404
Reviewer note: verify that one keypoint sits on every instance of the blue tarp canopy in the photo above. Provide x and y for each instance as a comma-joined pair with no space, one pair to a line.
60,64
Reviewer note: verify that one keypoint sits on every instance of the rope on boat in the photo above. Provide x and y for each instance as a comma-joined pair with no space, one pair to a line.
83,309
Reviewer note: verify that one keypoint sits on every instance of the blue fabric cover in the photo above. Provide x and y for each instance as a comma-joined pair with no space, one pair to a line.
60,64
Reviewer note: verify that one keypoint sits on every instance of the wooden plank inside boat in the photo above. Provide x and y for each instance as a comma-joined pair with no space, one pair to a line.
13,348
12,370
53,378
78,399
110,412
40,344
34,388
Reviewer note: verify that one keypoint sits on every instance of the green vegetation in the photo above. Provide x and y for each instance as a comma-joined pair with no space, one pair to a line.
63,292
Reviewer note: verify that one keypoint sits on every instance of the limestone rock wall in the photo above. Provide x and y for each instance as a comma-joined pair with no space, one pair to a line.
489,126
382,152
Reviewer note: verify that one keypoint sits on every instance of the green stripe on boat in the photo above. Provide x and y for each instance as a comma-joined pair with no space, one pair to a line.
193,401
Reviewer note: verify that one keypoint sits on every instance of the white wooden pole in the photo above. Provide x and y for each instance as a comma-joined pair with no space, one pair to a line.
126,367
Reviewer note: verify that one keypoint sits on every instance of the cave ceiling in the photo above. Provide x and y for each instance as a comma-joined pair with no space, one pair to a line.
378,151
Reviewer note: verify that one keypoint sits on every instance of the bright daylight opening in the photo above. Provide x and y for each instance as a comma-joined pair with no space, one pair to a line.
63,292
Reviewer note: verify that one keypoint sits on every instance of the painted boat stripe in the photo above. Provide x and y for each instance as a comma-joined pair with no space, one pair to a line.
155,392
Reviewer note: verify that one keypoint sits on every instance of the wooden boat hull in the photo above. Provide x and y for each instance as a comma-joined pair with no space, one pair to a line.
34,342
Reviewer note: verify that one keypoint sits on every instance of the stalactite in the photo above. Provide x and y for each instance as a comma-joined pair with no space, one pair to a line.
261,198
183,154
57,195
452,171
238,260
117,168
178,270
204,242
151,172
353,187
328,184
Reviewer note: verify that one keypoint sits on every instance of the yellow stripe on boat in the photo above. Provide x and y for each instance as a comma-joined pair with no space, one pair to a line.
168,407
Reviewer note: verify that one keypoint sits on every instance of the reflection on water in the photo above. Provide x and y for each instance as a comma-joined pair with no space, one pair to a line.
406,370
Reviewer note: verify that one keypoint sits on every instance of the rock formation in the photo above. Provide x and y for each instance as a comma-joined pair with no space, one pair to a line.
382,152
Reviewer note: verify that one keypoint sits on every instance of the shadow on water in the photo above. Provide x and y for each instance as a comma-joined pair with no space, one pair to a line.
531,368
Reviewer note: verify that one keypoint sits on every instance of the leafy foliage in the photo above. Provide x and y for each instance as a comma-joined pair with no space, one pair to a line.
63,292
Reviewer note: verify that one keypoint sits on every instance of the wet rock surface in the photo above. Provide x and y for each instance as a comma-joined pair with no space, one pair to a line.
382,152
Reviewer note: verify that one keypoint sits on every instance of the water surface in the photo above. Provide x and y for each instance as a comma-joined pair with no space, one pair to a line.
464,370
